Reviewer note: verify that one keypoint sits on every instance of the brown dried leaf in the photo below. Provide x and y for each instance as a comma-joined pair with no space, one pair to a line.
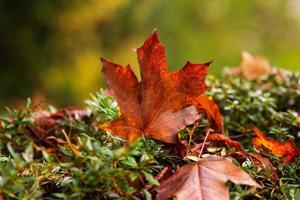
258,161
254,68
220,138
204,180
46,123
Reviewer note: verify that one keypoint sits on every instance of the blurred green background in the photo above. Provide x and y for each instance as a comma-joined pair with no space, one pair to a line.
50,49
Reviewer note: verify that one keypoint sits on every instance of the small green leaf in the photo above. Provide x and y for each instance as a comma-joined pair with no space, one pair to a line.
133,176
59,195
150,178
3,159
147,195
129,161
28,154
297,194
28,103
66,165
66,151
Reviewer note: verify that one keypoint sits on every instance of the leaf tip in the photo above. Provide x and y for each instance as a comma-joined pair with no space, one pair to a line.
154,32
104,61
208,63
153,38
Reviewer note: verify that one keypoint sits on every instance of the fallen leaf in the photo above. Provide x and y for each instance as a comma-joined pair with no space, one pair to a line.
220,138
216,138
45,124
208,106
251,67
254,68
266,163
258,161
72,113
158,105
288,149
204,180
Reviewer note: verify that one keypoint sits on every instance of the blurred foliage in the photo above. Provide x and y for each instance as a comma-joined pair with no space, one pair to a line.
272,103
51,48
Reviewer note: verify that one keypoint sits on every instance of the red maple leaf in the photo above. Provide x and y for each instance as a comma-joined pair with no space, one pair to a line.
161,103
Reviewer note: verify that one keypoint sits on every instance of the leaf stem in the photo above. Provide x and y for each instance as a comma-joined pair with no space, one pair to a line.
202,148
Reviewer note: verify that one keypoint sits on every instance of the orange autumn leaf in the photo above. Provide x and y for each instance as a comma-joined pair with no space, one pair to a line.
252,67
158,105
208,106
205,180
288,149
